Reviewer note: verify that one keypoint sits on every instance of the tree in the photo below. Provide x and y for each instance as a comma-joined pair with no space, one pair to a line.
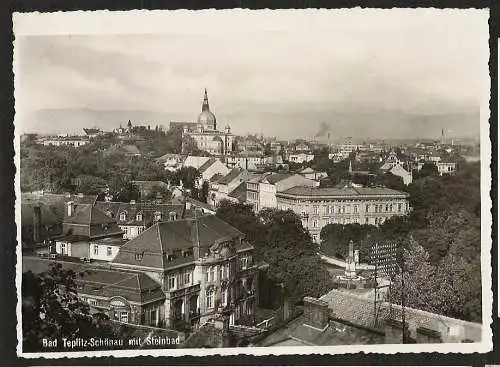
51,308
281,241
204,192
189,146
335,239
391,181
417,288
158,192
428,169
89,184
188,175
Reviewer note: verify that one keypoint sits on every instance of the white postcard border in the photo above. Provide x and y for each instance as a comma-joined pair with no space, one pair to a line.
64,23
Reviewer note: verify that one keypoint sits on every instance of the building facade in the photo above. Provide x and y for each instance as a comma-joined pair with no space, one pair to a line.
204,266
88,233
319,207
262,189
206,135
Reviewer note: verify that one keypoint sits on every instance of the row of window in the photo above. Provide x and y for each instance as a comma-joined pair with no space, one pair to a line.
210,298
175,281
316,223
139,217
342,209
109,250
252,195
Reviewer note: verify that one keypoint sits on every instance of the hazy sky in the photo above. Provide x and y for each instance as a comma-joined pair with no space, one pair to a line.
277,72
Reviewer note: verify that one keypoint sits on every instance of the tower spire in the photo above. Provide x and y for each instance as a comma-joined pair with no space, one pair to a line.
205,106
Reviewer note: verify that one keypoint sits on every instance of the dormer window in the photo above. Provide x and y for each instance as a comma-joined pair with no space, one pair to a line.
139,217
172,216
123,216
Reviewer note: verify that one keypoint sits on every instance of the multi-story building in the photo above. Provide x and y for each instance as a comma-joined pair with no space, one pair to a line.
391,161
88,233
262,189
222,188
446,168
321,206
300,157
74,141
203,265
246,160
212,167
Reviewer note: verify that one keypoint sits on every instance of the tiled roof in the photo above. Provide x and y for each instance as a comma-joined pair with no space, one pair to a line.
216,177
199,204
359,311
206,165
343,192
240,192
89,221
148,211
233,174
308,170
164,238
134,286
277,177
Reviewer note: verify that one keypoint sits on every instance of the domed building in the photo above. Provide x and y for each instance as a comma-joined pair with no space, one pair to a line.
206,118
205,134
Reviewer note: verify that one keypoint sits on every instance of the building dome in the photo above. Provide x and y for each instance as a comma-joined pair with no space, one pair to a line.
206,118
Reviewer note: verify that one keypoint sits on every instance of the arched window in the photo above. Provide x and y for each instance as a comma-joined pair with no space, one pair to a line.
172,216
139,217
123,216
209,300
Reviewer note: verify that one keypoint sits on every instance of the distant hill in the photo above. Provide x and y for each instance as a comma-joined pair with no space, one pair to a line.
272,121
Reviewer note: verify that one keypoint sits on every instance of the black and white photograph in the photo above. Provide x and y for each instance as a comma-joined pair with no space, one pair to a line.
223,182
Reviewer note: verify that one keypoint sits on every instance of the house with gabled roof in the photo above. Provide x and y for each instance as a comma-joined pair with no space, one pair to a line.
88,233
203,264
312,174
211,168
224,187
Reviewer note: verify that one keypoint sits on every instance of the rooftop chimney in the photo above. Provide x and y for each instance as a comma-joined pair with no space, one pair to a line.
315,313
195,238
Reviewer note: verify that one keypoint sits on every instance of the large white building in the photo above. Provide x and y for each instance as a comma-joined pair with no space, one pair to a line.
205,133
262,189
321,206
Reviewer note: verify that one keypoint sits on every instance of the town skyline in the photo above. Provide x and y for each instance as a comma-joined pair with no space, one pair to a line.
371,73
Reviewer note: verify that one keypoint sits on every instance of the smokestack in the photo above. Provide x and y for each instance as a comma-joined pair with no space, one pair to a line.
70,208
37,223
